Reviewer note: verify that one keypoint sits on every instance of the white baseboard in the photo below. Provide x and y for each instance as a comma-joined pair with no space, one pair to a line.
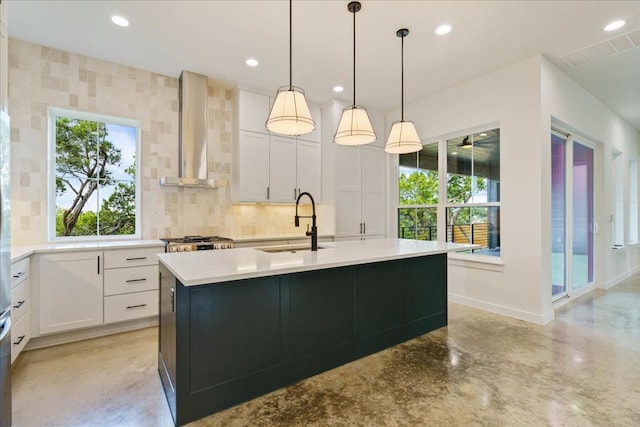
88,333
539,319
620,277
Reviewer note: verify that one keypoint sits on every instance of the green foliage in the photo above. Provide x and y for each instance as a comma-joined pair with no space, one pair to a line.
83,155
118,212
420,187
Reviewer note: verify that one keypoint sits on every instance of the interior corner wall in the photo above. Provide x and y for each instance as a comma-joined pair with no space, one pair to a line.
566,103
510,97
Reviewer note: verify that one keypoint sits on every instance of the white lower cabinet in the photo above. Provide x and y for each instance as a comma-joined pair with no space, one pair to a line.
130,306
20,306
130,284
71,294
92,288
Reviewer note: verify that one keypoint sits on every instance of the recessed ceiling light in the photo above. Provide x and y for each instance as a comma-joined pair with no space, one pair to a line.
454,153
338,88
483,134
120,21
443,29
614,25
252,62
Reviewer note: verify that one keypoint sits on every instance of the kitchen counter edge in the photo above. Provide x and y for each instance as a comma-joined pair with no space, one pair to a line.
20,252
208,267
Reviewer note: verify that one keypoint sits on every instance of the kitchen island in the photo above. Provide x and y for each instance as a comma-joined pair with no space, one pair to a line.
236,324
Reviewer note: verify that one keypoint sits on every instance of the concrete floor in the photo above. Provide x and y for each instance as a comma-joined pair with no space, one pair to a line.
581,369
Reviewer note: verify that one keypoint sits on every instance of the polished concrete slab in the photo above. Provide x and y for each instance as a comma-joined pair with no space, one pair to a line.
581,369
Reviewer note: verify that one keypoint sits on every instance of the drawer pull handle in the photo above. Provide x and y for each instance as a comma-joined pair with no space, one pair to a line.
19,304
136,306
136,258
20,338
135,280
18,275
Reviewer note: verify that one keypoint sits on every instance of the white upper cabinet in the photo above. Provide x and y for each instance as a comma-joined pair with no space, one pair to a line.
282,169
253,110
316,115
308,174
250,173
271,168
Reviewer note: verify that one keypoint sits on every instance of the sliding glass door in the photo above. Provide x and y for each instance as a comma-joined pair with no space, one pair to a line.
572,214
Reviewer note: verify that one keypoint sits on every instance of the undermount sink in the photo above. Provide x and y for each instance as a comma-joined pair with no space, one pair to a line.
286,248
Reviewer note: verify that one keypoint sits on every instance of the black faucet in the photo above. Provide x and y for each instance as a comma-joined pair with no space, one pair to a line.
314,230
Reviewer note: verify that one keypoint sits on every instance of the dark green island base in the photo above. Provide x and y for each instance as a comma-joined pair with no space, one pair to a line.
225,343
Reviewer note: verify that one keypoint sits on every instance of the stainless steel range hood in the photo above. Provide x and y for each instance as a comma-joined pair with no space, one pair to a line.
192,154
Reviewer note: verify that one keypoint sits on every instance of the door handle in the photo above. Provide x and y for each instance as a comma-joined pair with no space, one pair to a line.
19,304
136,306
20,338
173,300
135,280
136,258
364,228
267,193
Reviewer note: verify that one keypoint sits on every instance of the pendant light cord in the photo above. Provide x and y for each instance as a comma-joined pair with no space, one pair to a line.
402,80
354,57
290,45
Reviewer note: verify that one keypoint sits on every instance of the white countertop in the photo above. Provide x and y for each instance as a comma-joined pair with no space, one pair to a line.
197,268
19,252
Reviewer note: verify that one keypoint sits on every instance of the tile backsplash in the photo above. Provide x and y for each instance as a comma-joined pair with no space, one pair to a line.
41,77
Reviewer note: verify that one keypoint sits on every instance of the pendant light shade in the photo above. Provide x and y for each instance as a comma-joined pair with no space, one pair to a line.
290,113
403,137
354,127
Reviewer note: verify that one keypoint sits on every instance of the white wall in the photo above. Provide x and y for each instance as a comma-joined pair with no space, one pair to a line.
522,98
569,105
509,97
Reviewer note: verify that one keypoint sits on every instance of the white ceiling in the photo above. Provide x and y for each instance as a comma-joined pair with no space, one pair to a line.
216,37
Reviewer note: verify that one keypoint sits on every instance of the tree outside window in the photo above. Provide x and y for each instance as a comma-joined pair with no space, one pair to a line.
95,177
472,194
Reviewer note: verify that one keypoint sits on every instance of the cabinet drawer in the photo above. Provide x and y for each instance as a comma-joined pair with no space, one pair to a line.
20,296
19,271
117,258
132,279
20,334
130,306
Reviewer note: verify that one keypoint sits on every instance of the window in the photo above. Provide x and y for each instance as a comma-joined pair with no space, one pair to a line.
93,182
469,202
418,194
473,190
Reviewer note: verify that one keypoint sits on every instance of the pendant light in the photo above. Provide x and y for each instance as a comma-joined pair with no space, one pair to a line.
290,113
403,137
354,127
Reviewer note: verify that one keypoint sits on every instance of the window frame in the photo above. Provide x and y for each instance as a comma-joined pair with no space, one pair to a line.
52,114
443,204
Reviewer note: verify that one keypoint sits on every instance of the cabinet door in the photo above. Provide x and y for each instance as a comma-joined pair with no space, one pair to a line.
253,165
347,176
70,291
253,111
373,191
316,115
282,169
308,169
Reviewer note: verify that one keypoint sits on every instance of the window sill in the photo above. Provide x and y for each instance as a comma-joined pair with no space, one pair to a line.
482,262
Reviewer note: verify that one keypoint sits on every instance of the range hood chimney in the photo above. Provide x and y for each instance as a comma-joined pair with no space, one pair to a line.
192,155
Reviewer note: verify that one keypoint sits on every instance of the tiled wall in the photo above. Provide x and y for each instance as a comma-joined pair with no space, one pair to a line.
42,77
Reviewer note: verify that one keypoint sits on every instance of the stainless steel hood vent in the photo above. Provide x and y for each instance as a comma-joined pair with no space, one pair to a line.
192,155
